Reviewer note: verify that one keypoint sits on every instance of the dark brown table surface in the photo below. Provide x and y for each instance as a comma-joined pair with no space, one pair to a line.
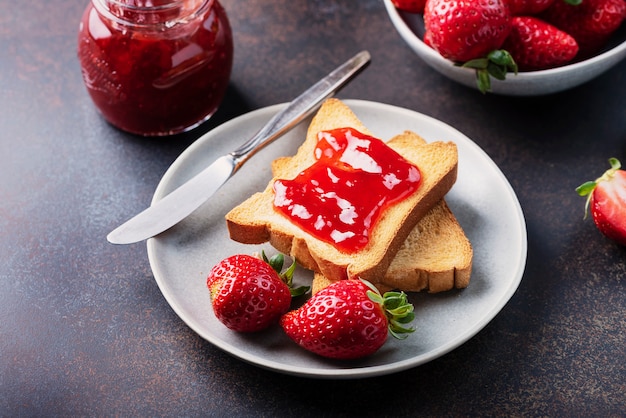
84,329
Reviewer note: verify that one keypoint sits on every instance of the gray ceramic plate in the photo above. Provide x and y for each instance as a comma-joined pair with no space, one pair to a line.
482,200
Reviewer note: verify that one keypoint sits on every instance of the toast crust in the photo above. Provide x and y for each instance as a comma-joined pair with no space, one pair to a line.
256,221
436,257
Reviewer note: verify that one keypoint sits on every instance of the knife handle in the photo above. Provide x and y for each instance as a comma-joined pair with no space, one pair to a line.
301,107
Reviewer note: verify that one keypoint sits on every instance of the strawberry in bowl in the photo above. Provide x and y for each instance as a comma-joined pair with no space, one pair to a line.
569,66
412,6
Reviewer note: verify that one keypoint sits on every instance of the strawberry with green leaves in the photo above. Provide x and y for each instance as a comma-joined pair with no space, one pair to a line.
348,319
537,45
248,293
606,199
590,22
471,32
462,30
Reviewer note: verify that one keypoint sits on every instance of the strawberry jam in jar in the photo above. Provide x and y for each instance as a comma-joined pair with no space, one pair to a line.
155,67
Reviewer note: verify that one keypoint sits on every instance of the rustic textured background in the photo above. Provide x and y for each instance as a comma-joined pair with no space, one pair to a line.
84,329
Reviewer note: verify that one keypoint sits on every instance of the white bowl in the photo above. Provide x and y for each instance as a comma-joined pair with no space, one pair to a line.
410,26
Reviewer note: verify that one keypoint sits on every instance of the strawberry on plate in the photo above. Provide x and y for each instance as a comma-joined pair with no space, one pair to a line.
249,293
590,22
411,6
470,32
606,199
537,45
348,319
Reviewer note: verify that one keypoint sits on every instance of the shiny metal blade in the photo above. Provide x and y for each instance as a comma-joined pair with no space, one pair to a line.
177,205
180,203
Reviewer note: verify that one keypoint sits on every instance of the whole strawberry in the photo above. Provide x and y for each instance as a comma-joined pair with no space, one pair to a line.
348,319
606,198
537,45
247,293
462,30
528,7
470,32
590,22
411,6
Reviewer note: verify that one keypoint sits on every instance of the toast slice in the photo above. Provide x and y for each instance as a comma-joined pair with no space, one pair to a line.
256,221
436,257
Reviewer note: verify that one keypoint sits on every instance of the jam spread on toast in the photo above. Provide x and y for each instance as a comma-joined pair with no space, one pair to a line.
341,196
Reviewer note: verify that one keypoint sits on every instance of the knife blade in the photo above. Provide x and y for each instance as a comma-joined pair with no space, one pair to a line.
184,200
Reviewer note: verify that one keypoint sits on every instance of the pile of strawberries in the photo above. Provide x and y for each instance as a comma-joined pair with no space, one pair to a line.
348,319
497,36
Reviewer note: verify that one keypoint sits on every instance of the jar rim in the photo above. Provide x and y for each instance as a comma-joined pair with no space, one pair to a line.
104,8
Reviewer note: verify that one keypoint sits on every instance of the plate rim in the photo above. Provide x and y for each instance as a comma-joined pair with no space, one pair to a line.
341,373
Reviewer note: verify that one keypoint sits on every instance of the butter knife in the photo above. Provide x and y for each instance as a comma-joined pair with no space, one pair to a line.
184,200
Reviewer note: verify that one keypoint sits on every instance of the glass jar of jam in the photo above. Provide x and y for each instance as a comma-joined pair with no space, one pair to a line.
155,67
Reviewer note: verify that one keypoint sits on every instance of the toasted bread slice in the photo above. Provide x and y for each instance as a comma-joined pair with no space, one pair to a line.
256,221
436,257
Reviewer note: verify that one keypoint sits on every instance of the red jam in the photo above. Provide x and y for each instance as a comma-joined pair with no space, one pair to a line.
340,197
155,67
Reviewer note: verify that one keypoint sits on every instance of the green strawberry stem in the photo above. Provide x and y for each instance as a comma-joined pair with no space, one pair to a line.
587,188
496,65
398,309
277,261
573,2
